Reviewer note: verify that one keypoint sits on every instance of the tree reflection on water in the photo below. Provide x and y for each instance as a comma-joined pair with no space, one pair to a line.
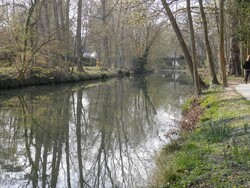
87,135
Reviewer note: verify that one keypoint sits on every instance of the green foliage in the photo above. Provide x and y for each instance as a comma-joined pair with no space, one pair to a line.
183,164
139,65
243,30
188,104
7,56
172,147
215,131
40,72
208,101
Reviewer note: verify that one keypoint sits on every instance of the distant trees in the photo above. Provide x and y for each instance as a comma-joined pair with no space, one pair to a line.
240,23
58,32
222,12
234,51
179,35
55,33
38,33
145,31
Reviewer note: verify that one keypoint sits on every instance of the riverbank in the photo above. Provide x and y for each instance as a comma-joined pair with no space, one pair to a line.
214,146
39,76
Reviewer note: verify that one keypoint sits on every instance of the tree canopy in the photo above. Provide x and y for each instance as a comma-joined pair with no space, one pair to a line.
48,33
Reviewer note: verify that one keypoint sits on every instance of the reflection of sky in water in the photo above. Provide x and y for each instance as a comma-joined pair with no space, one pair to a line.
122,151
137,162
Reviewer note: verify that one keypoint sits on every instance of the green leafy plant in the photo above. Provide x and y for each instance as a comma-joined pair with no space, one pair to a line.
215,131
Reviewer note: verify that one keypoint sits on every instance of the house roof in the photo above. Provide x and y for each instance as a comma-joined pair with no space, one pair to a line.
89,54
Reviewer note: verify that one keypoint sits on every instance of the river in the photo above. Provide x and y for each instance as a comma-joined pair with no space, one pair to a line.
93,134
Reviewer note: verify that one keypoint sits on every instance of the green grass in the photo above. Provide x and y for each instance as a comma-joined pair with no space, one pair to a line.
215,131
217,153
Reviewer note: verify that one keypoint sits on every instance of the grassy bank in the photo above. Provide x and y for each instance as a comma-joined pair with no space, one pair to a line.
214,148
9,77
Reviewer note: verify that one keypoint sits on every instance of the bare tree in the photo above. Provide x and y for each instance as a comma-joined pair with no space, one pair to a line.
194,53
221,43
79,37
67,29
104,18
179,36
213,76
234,52
56,18
47,19
27,33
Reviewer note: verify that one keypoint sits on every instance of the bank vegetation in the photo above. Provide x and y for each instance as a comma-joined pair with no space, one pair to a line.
213,149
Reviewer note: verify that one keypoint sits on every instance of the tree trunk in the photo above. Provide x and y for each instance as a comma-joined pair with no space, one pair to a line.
62,20
234,57
106,59
56,17
67,31
221,44
47,18
28,29
79,37
194,54
212,71
27,36
234,54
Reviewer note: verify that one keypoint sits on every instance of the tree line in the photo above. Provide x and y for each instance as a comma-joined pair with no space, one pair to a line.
49,33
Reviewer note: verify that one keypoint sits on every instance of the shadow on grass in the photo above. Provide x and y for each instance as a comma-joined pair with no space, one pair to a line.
218,130
234,100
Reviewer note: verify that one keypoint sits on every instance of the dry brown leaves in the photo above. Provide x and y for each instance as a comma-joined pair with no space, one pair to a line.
191,118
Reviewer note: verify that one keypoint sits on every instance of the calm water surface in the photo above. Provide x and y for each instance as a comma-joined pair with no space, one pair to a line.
98,134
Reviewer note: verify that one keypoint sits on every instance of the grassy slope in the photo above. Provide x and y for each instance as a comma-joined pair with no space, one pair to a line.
215,153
